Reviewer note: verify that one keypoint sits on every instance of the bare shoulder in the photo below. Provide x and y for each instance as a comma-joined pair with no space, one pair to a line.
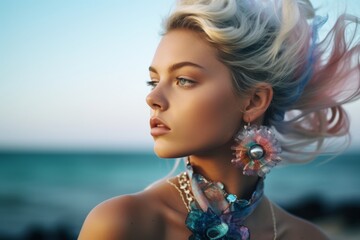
292,227
121,218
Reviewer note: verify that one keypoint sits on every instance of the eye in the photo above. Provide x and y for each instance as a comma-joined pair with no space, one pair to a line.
152,83
183,82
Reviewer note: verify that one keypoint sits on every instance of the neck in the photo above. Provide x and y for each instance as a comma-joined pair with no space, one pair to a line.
217,167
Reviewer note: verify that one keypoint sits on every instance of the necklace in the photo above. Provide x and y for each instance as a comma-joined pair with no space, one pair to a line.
184,184
213,213
273,219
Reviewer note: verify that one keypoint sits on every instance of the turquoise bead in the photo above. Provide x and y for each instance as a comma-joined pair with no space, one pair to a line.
231,198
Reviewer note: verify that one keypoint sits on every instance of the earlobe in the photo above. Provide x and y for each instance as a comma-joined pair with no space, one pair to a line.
260,99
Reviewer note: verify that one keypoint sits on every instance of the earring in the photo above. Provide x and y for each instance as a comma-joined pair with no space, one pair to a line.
256,150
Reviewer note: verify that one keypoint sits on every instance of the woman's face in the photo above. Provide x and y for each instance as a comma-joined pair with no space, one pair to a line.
194,106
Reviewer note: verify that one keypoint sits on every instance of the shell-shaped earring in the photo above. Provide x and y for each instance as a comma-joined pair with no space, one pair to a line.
256,150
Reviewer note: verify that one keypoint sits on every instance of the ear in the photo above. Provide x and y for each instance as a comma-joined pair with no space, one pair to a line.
259,100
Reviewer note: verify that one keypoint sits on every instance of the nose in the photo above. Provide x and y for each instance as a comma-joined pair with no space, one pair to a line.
156,99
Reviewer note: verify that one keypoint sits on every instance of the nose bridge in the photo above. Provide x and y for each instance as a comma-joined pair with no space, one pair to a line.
157,98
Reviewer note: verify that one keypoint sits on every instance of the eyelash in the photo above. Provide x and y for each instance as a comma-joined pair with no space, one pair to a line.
153,83
188,81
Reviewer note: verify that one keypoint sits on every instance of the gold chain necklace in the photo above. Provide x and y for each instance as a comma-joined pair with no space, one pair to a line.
184,189
185,186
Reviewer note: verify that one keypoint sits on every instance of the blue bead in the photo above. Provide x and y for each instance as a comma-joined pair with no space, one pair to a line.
231,198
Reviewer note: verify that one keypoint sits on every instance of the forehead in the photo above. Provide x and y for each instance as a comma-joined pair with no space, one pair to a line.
184,45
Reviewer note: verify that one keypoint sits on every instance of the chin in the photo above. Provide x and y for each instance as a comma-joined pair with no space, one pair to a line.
163,152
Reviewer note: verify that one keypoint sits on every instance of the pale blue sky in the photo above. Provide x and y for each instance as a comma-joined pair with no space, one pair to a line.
73,72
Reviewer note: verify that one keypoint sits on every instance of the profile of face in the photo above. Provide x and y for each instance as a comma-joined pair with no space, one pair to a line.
194,107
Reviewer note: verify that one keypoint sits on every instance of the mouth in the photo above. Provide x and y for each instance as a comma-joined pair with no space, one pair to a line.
158,127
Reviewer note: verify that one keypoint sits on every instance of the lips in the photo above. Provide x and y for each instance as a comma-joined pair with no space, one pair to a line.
158,127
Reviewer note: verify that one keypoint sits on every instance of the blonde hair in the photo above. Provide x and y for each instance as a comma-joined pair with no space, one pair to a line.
275,41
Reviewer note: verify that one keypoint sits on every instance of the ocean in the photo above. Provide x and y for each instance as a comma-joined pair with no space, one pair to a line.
48,190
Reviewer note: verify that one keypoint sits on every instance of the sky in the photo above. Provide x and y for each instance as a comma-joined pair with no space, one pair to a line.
73,72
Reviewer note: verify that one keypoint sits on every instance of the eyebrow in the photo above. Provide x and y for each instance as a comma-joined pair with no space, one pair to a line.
178,65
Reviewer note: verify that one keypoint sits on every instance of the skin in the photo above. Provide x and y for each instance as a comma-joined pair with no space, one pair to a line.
193,95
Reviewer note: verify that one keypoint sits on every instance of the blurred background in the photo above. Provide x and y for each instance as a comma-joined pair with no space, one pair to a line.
74,122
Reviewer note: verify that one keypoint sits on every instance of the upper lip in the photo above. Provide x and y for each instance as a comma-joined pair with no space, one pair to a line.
157,122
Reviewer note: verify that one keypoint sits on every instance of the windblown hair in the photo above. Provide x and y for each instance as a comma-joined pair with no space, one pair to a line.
276,42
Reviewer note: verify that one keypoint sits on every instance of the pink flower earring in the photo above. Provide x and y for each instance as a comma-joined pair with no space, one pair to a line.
256,150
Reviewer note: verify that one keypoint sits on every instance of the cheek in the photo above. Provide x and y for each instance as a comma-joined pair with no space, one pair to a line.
217,117
199,125
210,120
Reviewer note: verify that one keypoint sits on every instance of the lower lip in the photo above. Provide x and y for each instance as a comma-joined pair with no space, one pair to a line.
158,131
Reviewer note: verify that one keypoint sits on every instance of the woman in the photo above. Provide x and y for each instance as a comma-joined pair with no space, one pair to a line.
237,87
